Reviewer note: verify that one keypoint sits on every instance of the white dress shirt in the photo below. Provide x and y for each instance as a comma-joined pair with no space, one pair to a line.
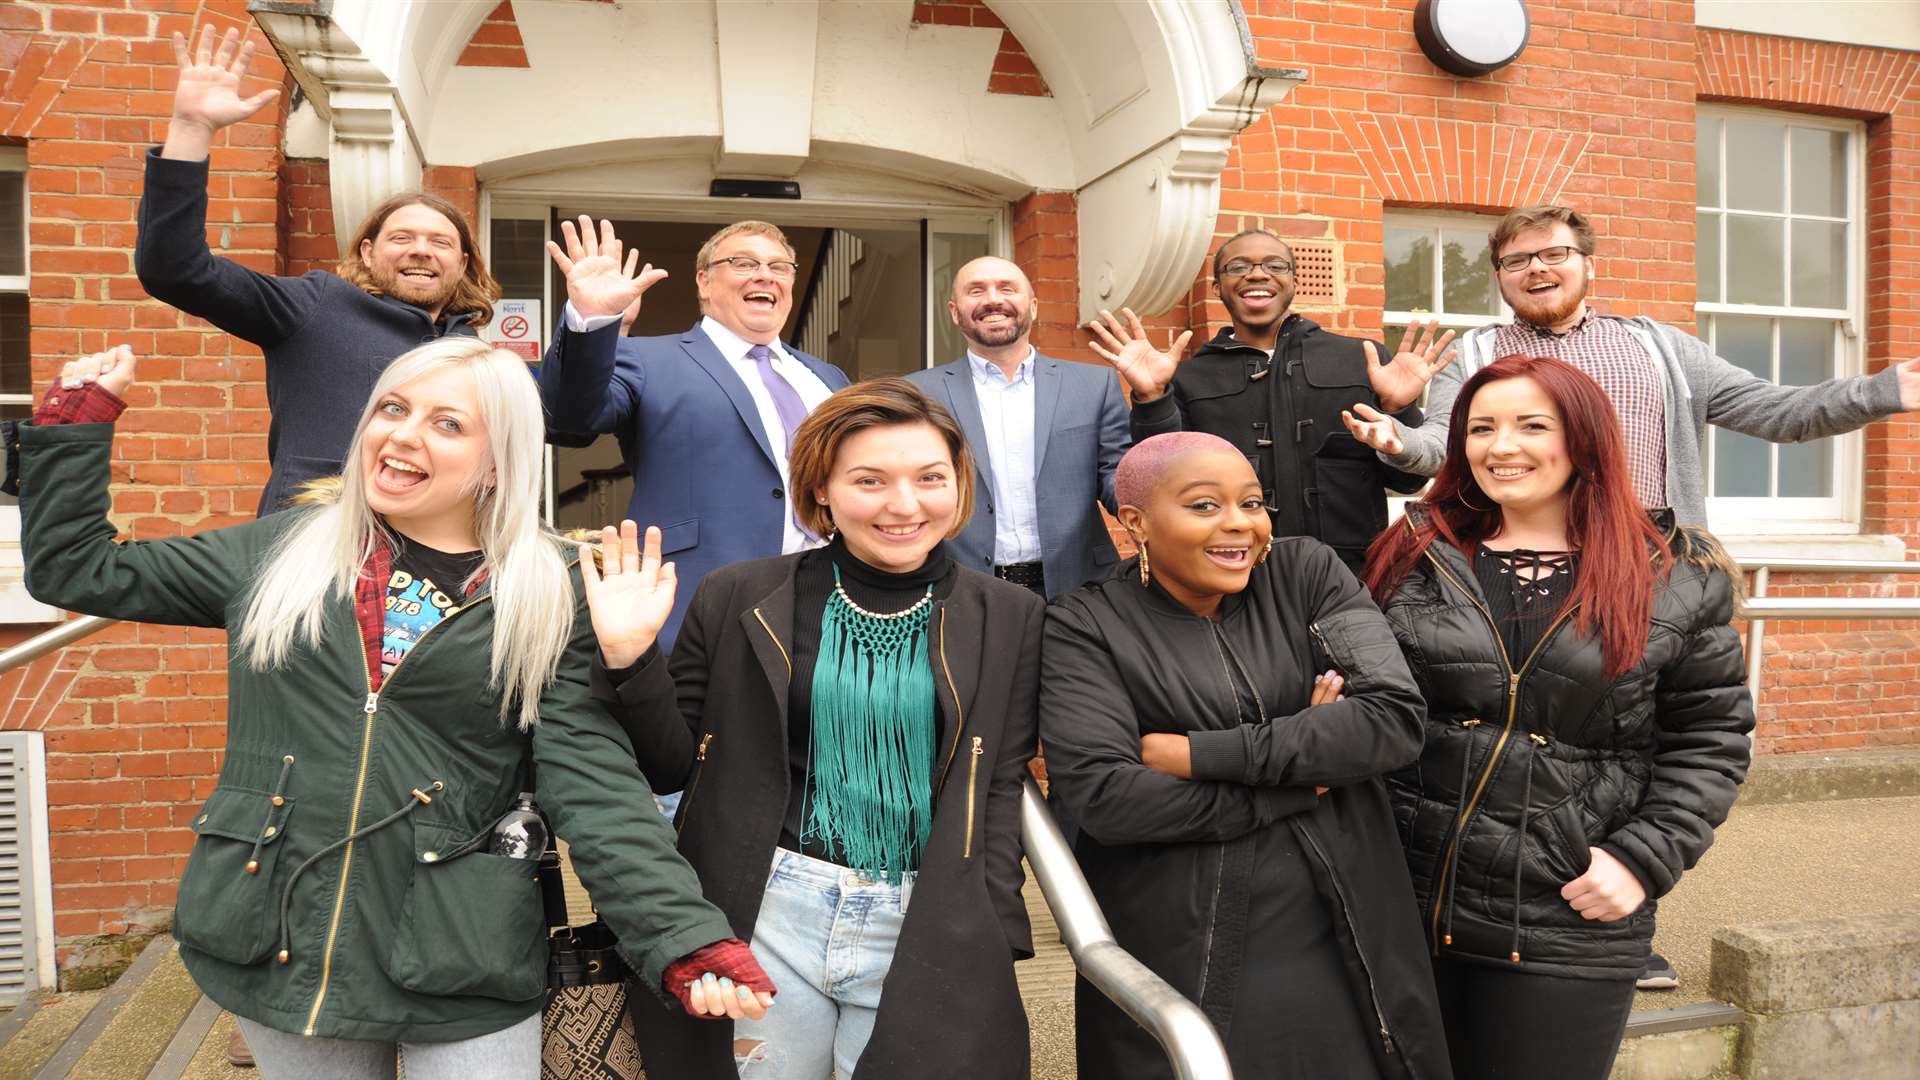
1006,415
734,348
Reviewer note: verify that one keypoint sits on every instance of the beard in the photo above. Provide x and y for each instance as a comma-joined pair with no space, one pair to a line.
1547,312
995,337
391,283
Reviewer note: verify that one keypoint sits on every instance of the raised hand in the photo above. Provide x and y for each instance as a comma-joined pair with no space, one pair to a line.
1147,371
1372,428
598,282
629,594
207,97
1400,383
112,370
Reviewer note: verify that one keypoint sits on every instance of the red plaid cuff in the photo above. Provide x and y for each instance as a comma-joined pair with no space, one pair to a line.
729,959
89,403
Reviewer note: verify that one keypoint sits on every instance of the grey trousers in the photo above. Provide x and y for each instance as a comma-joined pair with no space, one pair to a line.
511,1053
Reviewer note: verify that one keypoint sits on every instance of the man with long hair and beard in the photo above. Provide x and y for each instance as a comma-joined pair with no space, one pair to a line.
411,274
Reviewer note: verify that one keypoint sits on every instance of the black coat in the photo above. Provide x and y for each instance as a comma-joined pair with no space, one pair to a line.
949,1006
1283,413
1642,766
1180,866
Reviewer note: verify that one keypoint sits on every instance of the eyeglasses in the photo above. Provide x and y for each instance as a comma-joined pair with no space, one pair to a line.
1240,268
747,266
1515,261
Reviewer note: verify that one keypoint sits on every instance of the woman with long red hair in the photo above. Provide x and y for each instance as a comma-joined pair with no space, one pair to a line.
1586,718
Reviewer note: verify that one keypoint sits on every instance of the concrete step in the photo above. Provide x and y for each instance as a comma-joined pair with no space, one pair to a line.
131,1025
34,1031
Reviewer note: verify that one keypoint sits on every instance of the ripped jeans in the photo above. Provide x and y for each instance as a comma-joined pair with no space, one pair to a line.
826,936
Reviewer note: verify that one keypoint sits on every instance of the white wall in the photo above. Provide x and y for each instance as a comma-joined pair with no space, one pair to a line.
1887,24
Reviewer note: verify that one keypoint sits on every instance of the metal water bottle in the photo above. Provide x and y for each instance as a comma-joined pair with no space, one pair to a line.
520,833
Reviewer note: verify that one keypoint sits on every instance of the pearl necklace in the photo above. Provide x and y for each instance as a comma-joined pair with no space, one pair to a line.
841,591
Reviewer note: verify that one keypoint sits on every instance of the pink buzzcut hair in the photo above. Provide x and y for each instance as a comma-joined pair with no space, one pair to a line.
1142,468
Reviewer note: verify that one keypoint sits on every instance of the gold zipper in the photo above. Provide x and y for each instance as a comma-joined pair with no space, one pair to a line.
776,642
959,713
359,791
1499,746
973,777
700,761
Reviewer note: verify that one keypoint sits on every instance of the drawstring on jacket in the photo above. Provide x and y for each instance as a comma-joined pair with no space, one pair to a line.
419,799
1520,846
1459,807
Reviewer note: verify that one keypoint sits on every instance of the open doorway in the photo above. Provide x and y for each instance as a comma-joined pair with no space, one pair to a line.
868,298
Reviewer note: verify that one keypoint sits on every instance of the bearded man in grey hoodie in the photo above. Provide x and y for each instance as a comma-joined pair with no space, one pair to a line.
1666,384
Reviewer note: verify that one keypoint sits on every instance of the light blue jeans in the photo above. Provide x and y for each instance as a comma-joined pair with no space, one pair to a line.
826,936
512,1053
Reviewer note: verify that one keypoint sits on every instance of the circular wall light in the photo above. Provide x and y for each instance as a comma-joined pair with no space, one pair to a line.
1471,37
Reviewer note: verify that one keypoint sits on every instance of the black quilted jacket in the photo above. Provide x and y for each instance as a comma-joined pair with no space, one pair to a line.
1526,767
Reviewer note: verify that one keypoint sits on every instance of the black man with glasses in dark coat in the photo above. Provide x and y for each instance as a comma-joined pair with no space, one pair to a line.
1274,385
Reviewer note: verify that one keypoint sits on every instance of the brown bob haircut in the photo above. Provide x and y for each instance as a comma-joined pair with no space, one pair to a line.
885,402
477,290
1543,216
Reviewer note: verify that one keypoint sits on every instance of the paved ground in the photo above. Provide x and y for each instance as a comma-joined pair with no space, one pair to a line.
1771,863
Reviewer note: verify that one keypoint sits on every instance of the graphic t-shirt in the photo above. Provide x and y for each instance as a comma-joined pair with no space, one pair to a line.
425,586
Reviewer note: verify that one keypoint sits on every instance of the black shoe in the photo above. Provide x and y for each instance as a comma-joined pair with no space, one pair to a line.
1659,974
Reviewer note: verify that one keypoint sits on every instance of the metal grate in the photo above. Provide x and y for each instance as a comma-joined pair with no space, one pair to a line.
20,887
1313,272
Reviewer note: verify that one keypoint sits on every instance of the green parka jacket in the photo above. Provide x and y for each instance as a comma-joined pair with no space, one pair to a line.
349,828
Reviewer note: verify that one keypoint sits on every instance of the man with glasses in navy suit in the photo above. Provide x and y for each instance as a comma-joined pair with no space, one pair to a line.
704,417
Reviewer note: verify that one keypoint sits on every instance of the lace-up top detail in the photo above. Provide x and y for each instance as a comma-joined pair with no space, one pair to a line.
1525,590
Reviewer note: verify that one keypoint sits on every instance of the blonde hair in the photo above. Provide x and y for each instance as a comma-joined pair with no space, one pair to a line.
752,228
319,559
886,402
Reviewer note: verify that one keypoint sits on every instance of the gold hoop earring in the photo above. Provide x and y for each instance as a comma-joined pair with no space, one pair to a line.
1470,506
1261,559
1145,572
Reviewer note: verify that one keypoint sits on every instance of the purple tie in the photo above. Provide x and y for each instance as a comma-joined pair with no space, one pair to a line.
786,402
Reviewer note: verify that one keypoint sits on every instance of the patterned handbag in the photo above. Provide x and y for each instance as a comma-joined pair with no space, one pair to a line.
586,1032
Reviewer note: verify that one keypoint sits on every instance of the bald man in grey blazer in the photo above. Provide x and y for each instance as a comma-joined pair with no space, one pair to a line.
1045,435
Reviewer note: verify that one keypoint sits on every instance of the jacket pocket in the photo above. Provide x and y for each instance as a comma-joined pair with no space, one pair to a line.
679,536
1204,377
471,923
229,900
1358,644
1352,500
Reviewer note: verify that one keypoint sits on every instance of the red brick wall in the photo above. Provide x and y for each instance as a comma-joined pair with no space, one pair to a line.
134,719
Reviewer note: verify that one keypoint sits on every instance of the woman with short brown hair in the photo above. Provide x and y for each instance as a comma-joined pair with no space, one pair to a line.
850,725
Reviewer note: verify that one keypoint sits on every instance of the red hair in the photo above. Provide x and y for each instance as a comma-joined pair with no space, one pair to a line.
1613,592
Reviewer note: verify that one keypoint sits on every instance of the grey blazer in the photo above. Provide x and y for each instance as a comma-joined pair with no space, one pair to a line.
1080,431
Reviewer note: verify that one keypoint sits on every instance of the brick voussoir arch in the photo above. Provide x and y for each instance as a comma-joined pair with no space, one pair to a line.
1423,161
1824,76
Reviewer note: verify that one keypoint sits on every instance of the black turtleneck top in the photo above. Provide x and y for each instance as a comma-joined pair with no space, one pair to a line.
873,589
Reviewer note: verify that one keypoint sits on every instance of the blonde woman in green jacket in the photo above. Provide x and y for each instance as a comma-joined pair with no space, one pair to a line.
406,656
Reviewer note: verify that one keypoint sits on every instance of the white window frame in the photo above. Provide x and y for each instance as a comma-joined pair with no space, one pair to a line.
1780,516
15,605
1436,220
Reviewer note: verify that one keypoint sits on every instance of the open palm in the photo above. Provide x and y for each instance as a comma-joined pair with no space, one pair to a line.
1400,383
629,593
598,281
208,92
1124,345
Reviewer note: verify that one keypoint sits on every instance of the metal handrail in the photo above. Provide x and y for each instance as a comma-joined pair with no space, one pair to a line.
1759,606
1184,1031
46,641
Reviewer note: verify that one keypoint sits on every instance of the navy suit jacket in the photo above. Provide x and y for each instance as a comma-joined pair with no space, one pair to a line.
702,467
1079,434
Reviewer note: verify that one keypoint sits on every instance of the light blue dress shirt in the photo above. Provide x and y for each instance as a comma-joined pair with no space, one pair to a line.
1006,415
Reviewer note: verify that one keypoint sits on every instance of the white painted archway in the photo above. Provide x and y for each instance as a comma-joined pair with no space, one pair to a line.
1147,96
